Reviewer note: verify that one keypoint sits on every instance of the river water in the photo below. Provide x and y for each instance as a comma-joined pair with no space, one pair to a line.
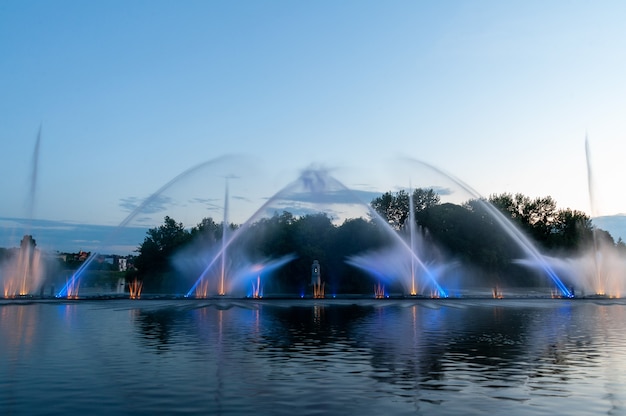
308,357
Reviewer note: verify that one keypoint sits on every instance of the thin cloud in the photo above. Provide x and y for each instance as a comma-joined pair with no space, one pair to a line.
241,198
65,236
211,204
144,220
157,204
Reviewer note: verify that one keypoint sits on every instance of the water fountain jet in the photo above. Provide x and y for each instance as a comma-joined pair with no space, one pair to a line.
72,286
316,185
23,273
517,236
602,255
390,264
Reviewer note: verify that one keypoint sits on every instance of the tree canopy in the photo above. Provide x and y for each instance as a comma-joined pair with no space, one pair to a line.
468,233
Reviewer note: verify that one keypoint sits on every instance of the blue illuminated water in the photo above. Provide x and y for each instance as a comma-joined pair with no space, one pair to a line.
284,357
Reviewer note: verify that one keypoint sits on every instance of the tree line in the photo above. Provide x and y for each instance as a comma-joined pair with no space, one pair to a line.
467,233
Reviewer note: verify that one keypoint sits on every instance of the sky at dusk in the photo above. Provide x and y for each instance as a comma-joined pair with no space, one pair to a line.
152,108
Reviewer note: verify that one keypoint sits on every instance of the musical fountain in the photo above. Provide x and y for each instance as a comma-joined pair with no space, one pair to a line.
404,261
313,185
229,270
408,258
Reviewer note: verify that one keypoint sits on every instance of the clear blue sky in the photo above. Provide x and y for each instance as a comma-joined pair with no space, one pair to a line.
130,94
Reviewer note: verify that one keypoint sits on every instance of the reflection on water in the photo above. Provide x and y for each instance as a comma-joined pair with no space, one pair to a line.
312,357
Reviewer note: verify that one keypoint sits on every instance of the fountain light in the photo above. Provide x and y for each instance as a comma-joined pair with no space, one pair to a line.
379,291
497,294
256,289
316,280
135,288
9,291
24,270
318,290
202,289
72,287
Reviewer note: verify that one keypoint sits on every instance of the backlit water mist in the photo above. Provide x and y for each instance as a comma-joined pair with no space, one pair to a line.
407,261
21,274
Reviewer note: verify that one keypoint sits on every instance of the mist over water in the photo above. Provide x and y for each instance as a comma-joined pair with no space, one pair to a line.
218,164
22,272
315,190
600,270
411,259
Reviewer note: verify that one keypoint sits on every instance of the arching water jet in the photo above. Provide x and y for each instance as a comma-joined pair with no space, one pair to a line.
316,186
71,288
516,235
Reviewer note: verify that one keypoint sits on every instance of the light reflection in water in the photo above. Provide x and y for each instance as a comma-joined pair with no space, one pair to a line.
367,356
17,325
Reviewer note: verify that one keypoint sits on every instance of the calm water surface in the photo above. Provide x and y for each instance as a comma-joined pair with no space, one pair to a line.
365,357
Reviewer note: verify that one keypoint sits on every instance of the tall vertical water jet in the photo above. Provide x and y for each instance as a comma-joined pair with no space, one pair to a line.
29,258
412,231
315,186
601,270
33,177
22,274
222,291
597,262
256,288
517,236
403,261
72,286
598,269
201,288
